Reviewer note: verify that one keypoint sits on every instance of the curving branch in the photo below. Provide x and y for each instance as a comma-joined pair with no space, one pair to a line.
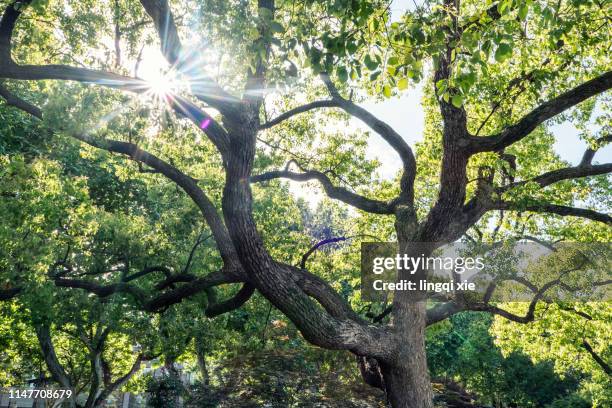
187,184
561,210
170,281
19,103
43,334
442,311
236,301
584,169
317,246
102,291
146,271
322,292
194,286
394,139
338,193
567,173
588,155
539,294
199,117
598,359
111,386
296,111
9,69
539,115
201,239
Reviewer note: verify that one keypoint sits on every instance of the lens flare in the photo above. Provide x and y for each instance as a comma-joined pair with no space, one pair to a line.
163,85
204,123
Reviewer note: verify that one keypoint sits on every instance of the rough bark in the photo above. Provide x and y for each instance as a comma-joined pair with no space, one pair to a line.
406,375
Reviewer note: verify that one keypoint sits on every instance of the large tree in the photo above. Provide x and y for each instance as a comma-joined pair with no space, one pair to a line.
495,71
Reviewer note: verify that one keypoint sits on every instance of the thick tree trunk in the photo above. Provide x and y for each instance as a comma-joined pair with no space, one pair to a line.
406,377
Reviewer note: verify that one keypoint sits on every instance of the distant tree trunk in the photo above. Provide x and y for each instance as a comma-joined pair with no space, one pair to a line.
43,334
96,380
169,366
171,370
201,356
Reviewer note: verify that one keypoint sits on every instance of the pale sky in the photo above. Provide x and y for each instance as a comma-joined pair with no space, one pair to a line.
405,115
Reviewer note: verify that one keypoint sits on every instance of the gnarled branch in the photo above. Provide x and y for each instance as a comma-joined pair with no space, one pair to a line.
236,301
390,136
300,109
567,173
554,209
547,110
338,193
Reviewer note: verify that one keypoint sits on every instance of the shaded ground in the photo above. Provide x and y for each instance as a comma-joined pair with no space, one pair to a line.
286,379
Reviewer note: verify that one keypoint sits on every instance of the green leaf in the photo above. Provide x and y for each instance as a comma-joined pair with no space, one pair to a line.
254,33
457,100
40,5
402,84
342,74
503,52
370,63
417,34
276,27
351,47
523,10
503,6
387,91
441,85
393,61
